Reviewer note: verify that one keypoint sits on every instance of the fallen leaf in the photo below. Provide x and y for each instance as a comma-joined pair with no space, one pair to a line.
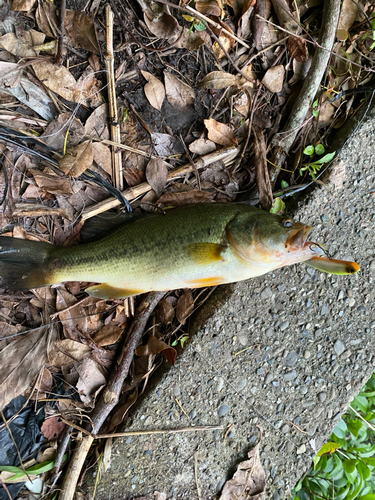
108,335
348,15
22,46
22,5
67,351
55,184
202,146
219,80
274,78
155,346
249,480
77,159
163,144
10,74
209,7
154,90
52,428
56,136
44,383
298,48
285,16
102,157
185,198
133,176
178,93
337,174
242,103
257,24
22,360
227,42
46,18
7,331
220,133
96,124
81,31
91,380
157,174
185,306
192,40
120,412
261,170
161,24
166,311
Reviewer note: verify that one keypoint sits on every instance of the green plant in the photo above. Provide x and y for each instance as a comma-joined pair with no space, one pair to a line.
313,167
344,468
180,340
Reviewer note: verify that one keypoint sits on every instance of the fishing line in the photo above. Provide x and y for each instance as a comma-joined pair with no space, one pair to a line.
322,248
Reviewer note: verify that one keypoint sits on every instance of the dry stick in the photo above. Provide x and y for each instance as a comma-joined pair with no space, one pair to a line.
117,177
111,393
226,155
284,140
59,54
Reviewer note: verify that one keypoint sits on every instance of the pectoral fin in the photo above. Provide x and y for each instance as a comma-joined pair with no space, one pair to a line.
105,291
333,266
206,253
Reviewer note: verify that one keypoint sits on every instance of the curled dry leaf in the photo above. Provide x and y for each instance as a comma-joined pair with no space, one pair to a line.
178,93
274,78
298,49
249,480
155,346
46,18
10,74
81,31
157,174
161,24
348,15
220,133
209,7
52,428
91,380
219,80
185,306
67,351
202,146
77,159
22,5
154,90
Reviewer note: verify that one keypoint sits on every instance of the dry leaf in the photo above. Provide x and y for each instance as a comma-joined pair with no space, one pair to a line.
162,25
46,18
185,198
227,42
102,157
257,24
22,46
202,146
348,15
157,174
285,16
108,335
163,144
261,170
121,411
219,80
55,134
166,311
249,481
220,133
154,346
209,7
10,74
178,93
77,159
81,31
337,174
52,428
154,90
274,78
91,380
96,124
21,360
55,185
185,306
298,49
37,210
67,351
22,5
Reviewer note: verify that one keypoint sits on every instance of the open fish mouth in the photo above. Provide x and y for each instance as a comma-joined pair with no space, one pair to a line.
297,237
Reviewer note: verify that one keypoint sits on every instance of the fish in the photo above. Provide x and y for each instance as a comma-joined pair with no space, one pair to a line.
193,246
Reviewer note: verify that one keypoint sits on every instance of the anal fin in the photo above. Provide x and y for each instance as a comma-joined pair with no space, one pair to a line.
203,282
105,291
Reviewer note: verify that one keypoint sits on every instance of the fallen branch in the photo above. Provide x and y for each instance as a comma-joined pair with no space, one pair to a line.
111,393
226,155
284,140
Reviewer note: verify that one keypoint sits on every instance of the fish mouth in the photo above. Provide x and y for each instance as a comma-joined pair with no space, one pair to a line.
297,237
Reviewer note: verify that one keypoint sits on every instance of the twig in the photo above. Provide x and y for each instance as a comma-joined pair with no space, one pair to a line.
285,139
226,155
111,393
61,449
117,177
59,54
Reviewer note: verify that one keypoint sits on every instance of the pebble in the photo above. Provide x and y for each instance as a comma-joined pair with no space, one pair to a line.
351,302
372,266
322,396
301,449
339,347
275,496
192,414
307,354
289,376
223,410
268,378
325,310
289,447
285,428
269,332
220,384
176,390
266,294
291,358
303,389
284,325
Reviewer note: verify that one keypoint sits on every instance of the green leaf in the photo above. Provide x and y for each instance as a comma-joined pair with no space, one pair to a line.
10,468
277,206
363,470
369,460
349,465
284,184
329,448
354,427
200,26
361,402
309,150
340,430
327,158
320,149
370,496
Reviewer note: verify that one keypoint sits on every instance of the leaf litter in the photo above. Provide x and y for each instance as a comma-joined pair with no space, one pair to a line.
198,81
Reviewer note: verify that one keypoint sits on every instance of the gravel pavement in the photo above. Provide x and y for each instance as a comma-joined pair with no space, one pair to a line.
284,353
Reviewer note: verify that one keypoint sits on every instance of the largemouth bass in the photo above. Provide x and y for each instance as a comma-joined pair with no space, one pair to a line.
188,247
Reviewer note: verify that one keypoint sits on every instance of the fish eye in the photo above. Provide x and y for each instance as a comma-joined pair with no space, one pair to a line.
287,223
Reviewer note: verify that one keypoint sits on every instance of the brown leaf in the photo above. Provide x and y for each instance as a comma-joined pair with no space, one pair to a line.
219,80
55,135
67,351
77,159
220,133
274,78
37,210
22,46
162,26
21,360
52,428
81,31
298,49
163,144
202,147
249,480
91,380
261,170
178,93
348,15
185,198
8,330
157,174
46,18
22,5
154,346
337,173
166,311
10,74
55,185
96,124
208,7
192,40
154,90
44,383
133,176
185,306
257,24
226,40
121,411
108,335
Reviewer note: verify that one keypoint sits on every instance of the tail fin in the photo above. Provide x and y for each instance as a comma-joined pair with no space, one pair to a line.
22,263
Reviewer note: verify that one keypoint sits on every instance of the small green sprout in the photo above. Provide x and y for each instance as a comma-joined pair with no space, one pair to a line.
315,106
181,340
313,167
